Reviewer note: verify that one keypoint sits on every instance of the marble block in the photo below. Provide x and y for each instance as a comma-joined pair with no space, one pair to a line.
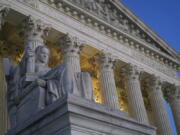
72,115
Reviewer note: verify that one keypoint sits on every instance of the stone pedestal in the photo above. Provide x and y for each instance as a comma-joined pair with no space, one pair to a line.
72,115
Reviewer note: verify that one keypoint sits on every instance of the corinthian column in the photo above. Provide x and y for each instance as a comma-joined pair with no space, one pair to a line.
174,100
71,47
161,118
34,31
107,81
135,98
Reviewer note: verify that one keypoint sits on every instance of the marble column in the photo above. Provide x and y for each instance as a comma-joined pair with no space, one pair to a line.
174,101
160,114
135,99
107,82
34,31
4,123
71,47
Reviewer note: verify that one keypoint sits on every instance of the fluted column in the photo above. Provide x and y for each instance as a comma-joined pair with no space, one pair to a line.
174,101
161,118
71,47
34,31
135,99
107,81
4,123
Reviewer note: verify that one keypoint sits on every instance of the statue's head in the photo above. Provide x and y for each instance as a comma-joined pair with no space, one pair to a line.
42,54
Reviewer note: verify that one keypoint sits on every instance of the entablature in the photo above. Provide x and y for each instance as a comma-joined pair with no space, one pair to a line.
123,48
118,24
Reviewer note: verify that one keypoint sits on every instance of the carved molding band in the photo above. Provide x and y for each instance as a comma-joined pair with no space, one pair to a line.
95,20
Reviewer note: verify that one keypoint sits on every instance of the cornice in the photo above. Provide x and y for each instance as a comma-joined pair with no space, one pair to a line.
63,22
146,28
106,28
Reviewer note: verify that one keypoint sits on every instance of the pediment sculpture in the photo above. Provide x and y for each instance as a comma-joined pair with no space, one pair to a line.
104,10
26,98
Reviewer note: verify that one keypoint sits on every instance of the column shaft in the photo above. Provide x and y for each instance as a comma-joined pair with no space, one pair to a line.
159,108
74,61
175,106
173,95
107,81
136,102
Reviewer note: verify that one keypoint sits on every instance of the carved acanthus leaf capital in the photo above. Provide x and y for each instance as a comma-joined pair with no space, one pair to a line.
155,83
132,71
105,61
70,45
34,28
172,92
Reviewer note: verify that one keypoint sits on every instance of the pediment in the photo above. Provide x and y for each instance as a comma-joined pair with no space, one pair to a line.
116,20
119,16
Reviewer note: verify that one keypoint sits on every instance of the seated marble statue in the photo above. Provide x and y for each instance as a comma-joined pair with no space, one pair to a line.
50,85
58,81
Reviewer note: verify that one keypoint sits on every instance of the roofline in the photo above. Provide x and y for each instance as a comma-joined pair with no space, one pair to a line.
146,28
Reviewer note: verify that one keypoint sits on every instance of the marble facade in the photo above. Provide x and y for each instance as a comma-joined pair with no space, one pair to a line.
122,41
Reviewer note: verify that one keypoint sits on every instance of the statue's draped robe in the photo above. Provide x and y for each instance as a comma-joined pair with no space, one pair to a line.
59,81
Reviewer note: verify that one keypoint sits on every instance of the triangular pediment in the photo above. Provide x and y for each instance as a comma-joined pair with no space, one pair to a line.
114,19
119,16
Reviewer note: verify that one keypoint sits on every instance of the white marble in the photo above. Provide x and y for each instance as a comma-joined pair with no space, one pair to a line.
162,121
135,99
107,81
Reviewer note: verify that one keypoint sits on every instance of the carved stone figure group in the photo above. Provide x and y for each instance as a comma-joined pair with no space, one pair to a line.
105,11
27,97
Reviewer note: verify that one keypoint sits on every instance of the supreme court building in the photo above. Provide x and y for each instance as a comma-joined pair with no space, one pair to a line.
132,70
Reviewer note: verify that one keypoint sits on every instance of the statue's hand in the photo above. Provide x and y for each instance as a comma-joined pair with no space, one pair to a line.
41,82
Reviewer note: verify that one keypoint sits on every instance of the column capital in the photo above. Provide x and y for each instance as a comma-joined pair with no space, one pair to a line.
105,60
155,83
172,92
34,29
70,45
132,71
